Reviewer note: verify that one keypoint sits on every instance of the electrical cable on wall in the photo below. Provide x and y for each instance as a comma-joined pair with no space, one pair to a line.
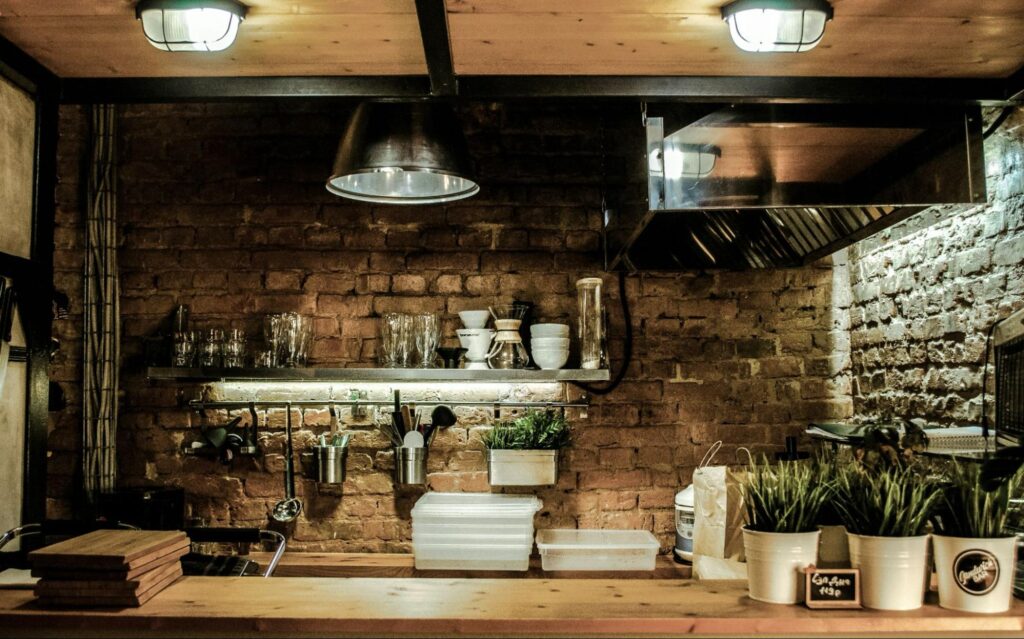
102,330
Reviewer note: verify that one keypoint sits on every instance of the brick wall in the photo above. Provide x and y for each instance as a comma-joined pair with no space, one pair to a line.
222,207
926,291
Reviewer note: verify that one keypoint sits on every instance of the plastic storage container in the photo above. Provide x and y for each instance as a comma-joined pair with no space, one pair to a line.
568,549
473,531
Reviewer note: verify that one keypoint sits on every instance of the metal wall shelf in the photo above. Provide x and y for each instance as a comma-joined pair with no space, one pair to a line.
200,375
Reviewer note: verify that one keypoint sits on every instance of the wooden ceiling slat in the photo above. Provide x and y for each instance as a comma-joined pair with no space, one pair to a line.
640,44
103,46
882,8
29,8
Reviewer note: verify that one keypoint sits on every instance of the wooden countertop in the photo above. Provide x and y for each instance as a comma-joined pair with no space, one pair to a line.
221,606
339,564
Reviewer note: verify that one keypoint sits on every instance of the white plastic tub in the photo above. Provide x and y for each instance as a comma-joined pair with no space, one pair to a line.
567,549
473,531
471,557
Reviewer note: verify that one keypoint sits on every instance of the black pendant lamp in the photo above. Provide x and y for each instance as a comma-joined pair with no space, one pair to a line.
403,153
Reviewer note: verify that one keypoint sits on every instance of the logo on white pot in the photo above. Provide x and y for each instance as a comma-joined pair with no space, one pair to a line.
976,571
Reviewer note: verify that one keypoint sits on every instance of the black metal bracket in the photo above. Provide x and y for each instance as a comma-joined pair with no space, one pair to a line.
437,47
1015,86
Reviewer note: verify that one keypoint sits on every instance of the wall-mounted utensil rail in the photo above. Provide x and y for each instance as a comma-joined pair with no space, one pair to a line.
583,404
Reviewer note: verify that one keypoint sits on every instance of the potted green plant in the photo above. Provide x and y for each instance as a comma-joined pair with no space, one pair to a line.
975,554
524,451
780,538
886,515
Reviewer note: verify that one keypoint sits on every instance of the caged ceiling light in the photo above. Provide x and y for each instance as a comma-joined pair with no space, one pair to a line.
190,25
777,25
403,153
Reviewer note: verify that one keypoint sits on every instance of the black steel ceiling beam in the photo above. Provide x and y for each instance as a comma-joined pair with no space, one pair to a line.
23,70
739,89
910,91
437,46
126,90
1015,86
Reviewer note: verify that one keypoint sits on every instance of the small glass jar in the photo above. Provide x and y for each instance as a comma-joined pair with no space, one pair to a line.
211,350
591,324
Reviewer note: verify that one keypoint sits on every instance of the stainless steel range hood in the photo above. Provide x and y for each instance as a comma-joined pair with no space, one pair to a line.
761,186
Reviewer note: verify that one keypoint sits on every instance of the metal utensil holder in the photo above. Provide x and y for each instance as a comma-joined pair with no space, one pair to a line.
330,464
410,465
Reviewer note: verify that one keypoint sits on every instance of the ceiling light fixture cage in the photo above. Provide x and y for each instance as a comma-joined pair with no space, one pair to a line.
403,153
777,25
190,25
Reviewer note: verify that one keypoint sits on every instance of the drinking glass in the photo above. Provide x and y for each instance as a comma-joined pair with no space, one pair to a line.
298,332
389,336
273,336
405,351
211,348
427,335
591,329
184,349
234,349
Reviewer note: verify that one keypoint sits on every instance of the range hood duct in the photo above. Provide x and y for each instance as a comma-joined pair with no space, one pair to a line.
791,184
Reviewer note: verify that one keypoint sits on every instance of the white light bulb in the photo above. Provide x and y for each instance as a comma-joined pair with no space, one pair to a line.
759,29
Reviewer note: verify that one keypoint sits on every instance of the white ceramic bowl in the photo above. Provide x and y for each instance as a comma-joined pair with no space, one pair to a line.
474,319
549,330
550,343
550,359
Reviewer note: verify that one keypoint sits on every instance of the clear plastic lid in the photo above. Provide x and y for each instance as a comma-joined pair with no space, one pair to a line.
463,504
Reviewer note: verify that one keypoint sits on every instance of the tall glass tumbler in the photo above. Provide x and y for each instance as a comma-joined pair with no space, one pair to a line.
390,334
591,325
427,336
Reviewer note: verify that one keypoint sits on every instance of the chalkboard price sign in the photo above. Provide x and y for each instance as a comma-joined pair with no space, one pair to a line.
832,587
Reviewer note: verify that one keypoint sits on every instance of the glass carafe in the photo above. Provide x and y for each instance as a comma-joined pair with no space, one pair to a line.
508,350
591,325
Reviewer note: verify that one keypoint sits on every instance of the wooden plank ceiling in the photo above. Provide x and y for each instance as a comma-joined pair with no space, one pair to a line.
868,38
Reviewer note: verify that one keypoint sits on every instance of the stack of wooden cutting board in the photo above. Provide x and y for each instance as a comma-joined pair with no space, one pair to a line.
108,567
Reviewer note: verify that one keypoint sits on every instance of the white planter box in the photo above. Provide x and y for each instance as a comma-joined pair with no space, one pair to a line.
522,467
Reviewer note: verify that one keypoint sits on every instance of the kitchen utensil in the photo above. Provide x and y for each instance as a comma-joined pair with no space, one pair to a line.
450,356
550,359
331,462
442,417
413,439
474,319
288,508
407,423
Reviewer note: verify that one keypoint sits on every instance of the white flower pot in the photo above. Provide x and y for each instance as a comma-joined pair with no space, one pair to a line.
975,575
834,549
775,563
892,570
522,467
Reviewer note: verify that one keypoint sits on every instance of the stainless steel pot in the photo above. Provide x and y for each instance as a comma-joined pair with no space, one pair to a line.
331,462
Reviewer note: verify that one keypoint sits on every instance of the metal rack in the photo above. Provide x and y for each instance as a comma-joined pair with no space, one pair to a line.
203,405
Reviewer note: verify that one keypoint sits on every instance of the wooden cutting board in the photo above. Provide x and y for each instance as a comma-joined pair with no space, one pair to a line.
115,550
123,601
100,588
172,555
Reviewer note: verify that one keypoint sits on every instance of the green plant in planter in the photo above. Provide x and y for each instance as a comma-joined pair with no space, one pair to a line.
535,430
966,510
786,497
895,502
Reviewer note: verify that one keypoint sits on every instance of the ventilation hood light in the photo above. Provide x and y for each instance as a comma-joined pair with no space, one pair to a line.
777,25
190,25
690,161
403,153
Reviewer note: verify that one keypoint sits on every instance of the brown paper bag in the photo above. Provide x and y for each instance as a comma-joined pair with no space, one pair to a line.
718,521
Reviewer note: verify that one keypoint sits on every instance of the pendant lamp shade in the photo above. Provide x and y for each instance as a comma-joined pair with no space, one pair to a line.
403,153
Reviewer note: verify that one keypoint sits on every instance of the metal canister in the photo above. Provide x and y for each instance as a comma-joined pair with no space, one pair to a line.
331,462
684,525
410,465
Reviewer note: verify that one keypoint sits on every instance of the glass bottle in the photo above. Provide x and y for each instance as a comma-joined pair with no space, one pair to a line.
591,325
